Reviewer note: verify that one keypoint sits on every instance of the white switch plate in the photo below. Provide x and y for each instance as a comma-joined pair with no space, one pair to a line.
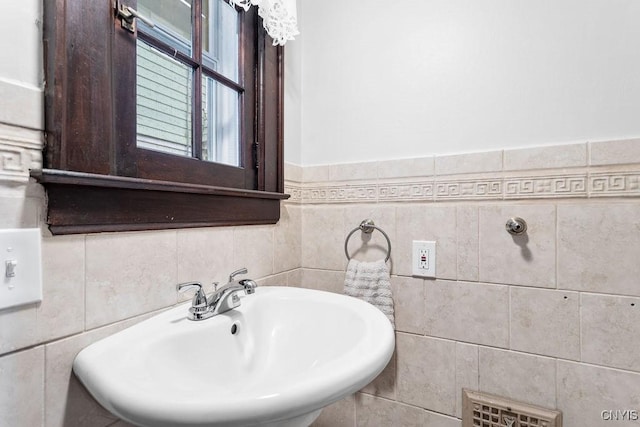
20,267
424,258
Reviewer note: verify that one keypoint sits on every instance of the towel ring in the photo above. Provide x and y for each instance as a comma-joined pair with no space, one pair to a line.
367,226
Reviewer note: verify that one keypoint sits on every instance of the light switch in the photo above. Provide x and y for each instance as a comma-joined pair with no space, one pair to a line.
10,268
21,258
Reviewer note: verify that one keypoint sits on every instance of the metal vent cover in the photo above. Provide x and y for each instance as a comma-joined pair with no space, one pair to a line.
486,410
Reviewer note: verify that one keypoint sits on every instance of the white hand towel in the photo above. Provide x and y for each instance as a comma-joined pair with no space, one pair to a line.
370,282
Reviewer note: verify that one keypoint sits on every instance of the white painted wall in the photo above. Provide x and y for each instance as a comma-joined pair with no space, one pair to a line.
20,41
21,63
393,79
293,98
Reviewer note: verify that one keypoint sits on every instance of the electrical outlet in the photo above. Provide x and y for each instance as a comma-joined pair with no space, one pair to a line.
424,258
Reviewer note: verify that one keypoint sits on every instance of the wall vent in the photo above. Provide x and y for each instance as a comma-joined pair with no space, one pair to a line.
486,410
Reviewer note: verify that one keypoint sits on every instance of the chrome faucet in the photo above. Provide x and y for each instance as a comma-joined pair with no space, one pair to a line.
221,300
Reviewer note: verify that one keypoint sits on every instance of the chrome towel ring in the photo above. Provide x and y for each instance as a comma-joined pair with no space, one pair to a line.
367,226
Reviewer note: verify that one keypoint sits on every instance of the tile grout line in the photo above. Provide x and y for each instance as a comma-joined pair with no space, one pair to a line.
44,385
455,379
580,325
555,365
510,319
557,245
479,370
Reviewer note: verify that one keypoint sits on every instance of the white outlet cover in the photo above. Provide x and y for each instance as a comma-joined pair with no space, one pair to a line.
22,249
419,266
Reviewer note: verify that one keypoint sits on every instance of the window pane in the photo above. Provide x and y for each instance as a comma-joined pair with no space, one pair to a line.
220,123
163,102
172,19
220,37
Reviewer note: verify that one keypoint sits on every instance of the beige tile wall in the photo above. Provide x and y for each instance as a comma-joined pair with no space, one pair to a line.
551,318
95,285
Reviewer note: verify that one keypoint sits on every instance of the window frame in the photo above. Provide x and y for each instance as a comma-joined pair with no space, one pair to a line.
97,179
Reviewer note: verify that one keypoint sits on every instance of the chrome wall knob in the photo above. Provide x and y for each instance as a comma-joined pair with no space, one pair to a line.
516,226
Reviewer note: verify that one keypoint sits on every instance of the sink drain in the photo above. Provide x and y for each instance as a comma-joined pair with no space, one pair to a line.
235,329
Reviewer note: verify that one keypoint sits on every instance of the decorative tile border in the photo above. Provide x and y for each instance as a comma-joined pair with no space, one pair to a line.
575,170
467,189
614,184
294,190
20,151
530,186
408,191
340,194
546,187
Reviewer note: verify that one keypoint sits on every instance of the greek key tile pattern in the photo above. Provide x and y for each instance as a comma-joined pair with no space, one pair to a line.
340,194
406,191
469,189
615,184
294,191
530,186
545,187
17,157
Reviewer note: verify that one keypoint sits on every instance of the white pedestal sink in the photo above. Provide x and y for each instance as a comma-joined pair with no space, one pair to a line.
276,360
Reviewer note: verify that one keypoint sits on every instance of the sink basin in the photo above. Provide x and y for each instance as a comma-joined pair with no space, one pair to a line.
276,360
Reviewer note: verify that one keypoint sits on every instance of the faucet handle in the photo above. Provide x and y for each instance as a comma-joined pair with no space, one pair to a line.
199,302
183,287
243,270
